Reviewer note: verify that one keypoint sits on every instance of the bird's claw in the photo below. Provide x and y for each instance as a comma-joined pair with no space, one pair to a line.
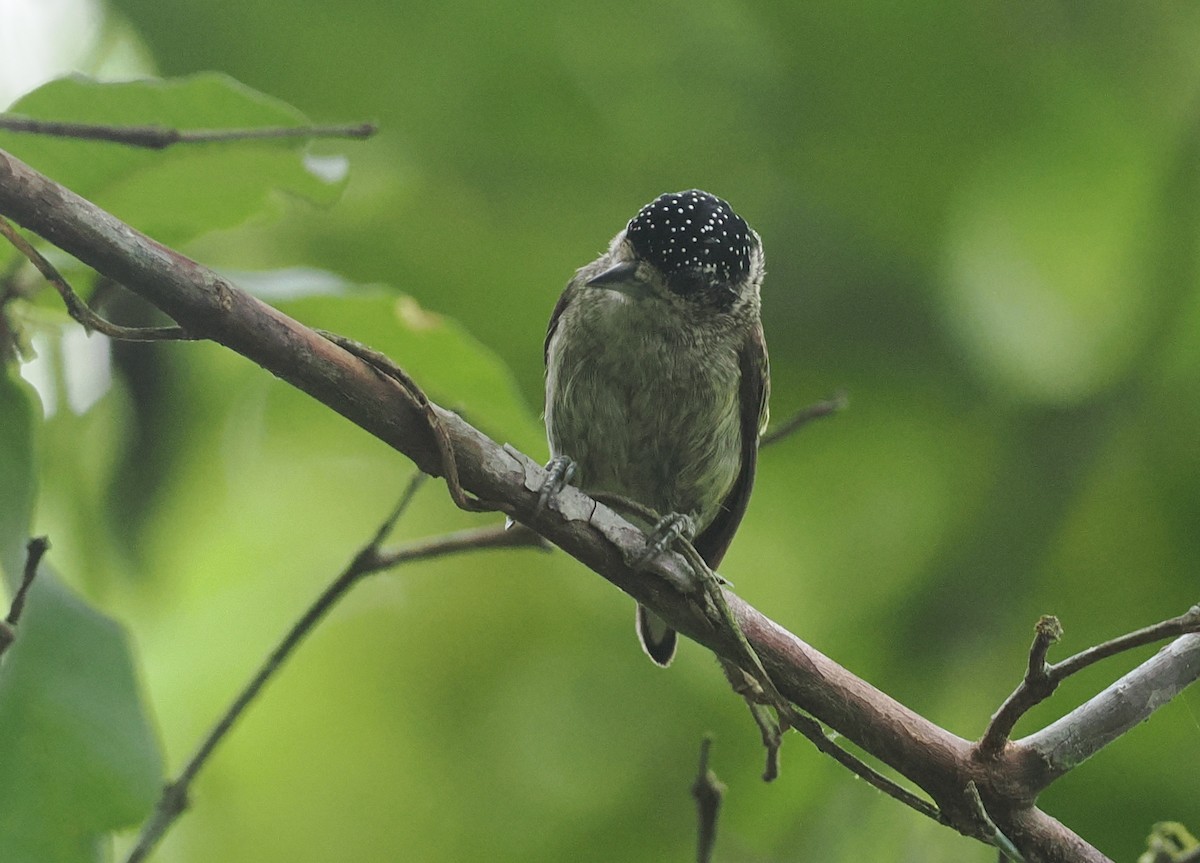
670,529
559,471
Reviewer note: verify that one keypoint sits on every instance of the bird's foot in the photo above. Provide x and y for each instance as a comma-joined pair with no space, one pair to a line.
670,529
559,471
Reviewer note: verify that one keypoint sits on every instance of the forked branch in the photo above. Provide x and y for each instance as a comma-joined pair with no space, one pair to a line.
1041,679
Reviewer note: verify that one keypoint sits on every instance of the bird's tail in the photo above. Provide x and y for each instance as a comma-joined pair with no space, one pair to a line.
658,639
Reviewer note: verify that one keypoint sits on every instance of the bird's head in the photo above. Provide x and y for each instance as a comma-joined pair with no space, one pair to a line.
688,245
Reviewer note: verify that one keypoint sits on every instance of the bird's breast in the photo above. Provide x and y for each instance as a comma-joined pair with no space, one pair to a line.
648,407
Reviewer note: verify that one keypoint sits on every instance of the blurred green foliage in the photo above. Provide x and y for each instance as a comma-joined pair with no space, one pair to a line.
981,221
78,758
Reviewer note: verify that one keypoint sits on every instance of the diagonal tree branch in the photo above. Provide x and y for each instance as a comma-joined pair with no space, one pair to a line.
208,306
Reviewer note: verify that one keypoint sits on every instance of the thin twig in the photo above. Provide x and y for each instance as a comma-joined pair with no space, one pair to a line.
160,137
1041,679
1128,701
770,727
1187,622
789,716
369,559
473,539
994,834
1036,687
816,734
803,417
77,308
35,550
386,367
707,791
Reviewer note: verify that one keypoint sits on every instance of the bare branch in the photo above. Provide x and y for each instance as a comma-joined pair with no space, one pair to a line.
817,735
750,679
35,550
475,539
1036,687
161,137
1187,622
803,417
1086,730
707,791
1040,837
369,559
772,731
1041,679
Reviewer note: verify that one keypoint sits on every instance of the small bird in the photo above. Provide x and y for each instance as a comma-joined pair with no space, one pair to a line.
657,378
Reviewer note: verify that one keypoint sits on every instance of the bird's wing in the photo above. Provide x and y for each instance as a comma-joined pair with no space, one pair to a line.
755,391
563,300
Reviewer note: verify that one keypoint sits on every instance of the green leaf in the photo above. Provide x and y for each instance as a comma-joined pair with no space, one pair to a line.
78,758
455,369
185,190
18,483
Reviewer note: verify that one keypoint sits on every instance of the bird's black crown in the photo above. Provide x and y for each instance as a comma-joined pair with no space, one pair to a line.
692,231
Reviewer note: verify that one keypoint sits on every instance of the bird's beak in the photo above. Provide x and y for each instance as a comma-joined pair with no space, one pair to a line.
618,277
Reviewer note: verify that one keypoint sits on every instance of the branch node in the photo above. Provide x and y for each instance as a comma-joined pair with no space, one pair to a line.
1047,632
1038,685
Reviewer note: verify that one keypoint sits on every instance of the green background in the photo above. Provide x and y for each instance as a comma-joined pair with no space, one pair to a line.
980,221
